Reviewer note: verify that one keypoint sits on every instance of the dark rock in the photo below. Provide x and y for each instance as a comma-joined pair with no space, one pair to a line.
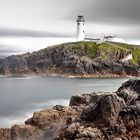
96,116
66,59
104,108
132,84
58,107
80,100
131,115
5,134
130,91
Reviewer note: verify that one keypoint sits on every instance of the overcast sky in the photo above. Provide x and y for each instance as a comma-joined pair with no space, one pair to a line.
27,25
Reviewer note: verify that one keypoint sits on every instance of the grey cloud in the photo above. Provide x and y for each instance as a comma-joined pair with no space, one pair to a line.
4,55
30,33
43,16
6,50
123,9
111,11
9,48
123,16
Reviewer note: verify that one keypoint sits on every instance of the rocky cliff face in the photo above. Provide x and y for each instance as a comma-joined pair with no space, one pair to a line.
95,116
75,59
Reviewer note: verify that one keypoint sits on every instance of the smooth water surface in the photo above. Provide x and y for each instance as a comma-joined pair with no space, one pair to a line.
21,96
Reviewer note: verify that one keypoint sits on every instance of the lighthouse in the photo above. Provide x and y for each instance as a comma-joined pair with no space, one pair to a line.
80,28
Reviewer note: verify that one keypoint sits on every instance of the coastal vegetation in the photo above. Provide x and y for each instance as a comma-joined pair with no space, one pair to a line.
93,50
85,58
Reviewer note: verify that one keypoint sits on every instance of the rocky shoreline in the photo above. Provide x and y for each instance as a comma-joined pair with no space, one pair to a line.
95,116
76,59
87,76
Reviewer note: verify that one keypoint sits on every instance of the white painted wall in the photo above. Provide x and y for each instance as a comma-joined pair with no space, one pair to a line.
80,31
128,57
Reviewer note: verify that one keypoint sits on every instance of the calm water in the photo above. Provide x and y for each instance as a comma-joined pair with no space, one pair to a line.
20,96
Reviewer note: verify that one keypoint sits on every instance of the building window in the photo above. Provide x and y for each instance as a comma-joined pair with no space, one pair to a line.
83,31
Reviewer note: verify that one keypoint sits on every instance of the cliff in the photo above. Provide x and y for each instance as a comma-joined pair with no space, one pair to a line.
80,59
95,116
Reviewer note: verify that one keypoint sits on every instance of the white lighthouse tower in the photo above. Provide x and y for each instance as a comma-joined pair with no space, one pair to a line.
80,28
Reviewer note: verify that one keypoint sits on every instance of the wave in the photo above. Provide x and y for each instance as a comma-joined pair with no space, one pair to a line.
51,103
21,77
93,85
20,117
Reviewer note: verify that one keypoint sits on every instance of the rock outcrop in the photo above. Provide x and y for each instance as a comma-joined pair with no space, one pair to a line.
80,59
95,116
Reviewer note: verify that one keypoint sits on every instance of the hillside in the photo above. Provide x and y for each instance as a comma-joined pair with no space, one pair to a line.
80,59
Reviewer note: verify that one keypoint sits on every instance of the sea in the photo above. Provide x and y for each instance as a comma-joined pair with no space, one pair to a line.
21,96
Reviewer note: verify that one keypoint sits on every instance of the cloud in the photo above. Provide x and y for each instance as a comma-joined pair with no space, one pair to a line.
16,45
120,11
30,33
4,48
57,18
7,50
111,11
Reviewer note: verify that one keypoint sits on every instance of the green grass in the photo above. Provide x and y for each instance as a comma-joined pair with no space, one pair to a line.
90,49
136,56
106,50
135,52
130,47
85,48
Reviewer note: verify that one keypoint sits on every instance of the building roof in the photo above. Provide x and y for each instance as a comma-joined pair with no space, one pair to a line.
80,18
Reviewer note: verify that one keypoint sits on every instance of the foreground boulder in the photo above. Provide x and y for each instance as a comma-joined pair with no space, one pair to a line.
95,116
103,108
130,91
